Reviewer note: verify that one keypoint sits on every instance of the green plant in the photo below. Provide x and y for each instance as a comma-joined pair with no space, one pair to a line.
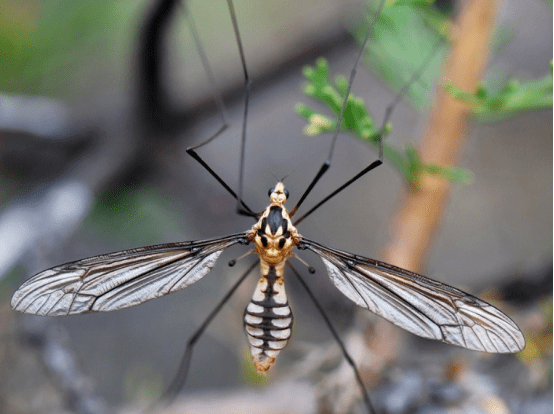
359,123
491,103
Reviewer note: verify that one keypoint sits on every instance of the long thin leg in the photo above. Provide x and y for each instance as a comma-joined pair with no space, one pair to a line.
209,73
246,100
347,356
327,162
370,167
179,381
245,211
388,113
242,208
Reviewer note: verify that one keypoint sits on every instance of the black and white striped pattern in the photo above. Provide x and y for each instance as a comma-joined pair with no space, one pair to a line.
268,319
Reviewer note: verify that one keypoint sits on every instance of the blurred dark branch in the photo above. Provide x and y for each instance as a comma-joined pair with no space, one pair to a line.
154,109
37,225
50,213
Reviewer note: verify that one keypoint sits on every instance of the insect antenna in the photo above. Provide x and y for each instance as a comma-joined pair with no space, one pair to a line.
336,336
178,382
388,112
280,179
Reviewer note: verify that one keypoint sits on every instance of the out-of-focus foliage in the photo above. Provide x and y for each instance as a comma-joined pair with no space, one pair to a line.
17,21
509,98
46,44
407,32
409,43
358,122
501,36
139,215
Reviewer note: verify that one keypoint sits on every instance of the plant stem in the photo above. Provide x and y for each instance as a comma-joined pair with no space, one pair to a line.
418,217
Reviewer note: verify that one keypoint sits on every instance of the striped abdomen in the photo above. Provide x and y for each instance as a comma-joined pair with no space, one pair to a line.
268,318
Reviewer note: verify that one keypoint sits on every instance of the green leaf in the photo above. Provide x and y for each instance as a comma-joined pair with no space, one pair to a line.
506,100
358,122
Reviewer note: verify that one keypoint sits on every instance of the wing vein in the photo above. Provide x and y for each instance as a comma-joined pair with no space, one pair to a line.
120,279
420,305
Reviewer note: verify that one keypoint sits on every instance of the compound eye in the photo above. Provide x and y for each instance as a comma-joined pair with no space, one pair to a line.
286,193
271,190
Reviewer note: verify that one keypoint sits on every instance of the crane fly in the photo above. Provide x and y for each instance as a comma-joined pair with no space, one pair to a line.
422,306
411,301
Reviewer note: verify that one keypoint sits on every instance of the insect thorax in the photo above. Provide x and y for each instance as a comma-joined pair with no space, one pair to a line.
273,235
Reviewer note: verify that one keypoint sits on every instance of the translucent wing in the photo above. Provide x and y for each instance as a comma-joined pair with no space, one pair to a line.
119,280
420,305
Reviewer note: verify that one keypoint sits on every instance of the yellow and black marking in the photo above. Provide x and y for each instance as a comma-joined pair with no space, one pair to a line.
268,317
273,235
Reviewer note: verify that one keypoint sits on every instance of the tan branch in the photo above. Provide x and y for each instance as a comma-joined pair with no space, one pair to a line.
416,222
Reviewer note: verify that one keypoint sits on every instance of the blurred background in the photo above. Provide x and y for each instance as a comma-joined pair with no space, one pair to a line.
99,101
